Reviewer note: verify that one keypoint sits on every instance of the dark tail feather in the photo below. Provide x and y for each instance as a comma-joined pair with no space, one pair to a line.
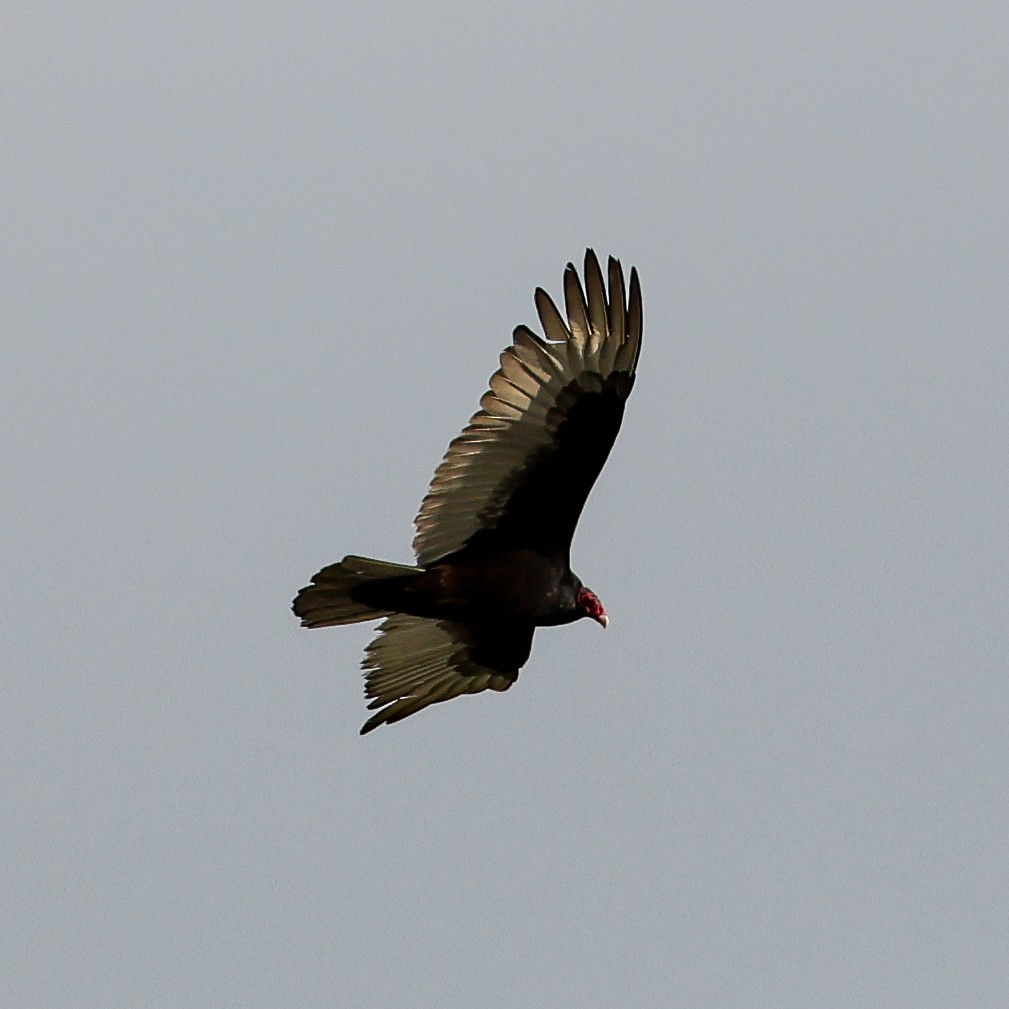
330,599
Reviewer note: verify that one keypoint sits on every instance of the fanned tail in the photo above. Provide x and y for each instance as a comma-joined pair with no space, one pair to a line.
335,595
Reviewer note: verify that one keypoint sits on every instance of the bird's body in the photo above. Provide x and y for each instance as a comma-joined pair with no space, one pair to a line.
494,530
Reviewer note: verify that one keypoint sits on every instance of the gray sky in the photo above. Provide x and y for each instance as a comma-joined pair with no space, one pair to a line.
259,263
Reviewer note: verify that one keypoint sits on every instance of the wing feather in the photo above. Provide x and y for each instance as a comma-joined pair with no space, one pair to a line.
574,302
598,312
525,449
554,327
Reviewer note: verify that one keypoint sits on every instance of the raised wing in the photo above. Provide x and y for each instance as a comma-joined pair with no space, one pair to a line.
521,470
415,662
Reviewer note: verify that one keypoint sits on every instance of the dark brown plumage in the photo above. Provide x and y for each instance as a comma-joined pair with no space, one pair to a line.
494,529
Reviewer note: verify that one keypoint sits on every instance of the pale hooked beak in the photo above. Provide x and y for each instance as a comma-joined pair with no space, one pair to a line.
604,620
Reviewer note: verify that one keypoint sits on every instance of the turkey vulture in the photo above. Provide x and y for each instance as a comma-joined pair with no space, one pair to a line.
494,531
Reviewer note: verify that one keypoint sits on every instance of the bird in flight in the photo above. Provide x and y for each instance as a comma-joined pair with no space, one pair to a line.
494,530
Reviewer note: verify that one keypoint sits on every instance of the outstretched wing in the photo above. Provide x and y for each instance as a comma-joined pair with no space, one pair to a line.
519,474
415,662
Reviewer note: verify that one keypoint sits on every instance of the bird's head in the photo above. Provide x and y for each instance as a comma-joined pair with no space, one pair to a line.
589,606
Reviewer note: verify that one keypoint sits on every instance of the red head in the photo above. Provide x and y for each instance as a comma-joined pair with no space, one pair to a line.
588,602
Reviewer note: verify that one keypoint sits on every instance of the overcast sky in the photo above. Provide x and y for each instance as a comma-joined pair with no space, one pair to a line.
259,262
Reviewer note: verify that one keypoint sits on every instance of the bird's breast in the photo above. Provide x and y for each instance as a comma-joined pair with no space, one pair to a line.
519,584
